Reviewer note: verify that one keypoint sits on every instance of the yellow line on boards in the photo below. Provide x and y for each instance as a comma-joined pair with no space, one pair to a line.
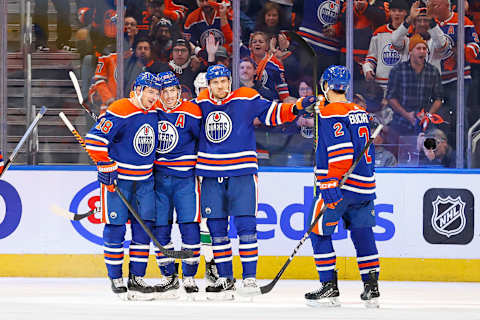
394,269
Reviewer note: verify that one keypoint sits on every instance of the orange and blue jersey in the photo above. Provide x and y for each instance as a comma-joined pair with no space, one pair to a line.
318,14
105,79
198,27
178,132
273,79
449,58
1,163
227,145
344,131
127,135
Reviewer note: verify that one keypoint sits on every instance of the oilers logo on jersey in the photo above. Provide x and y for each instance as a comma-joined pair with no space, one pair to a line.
167,137
390,56
144,141
328,12
219,37
218,126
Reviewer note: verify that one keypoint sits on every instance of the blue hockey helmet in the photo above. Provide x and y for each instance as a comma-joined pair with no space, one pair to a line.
217,71
337,78
147,79
167,79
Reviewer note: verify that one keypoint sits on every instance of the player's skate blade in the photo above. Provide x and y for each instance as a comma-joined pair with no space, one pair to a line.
372,304
138,289
222,290
167,289
249,288
324,303
119,289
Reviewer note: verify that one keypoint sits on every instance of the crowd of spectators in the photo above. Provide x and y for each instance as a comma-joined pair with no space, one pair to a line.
404,73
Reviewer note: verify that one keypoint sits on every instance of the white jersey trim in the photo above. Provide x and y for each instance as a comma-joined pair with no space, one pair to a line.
340,145
227,155
227,168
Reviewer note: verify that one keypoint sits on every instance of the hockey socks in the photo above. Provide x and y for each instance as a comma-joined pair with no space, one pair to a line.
222,248
139,248
324,255
113,237
166,264
190,241
248,246
367,254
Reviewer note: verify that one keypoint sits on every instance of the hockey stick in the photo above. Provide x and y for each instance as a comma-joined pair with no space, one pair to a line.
182,254
27,133
268,287
308,48
82,102
70,215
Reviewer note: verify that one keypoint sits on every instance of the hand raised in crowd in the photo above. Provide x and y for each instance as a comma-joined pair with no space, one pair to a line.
410,116
414,12
283,44
273,45
369,76
211,45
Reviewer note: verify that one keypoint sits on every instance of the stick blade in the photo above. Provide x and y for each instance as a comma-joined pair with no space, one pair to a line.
249,292
76,85
181,254
62,212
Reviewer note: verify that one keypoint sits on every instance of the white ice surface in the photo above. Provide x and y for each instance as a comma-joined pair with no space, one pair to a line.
86,299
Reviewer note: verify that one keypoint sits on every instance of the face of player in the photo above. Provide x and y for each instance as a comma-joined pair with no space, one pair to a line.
169,96
271,18
422,24
143,51
220,87
149,97
360,4
397,15
419,53
180,55
131,26
258,45
247,71
304,90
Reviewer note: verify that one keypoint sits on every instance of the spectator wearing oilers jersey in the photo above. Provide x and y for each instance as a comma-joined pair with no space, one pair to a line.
228,163
176,186
104,88
448,21
414,86
344,131
207,19
422,23
382,55
270,73
317,22
123,144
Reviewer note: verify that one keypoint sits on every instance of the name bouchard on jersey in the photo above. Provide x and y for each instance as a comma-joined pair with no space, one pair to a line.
144,141
358,118
167,137
218,126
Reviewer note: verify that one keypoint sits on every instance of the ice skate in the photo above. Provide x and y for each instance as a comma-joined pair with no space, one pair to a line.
222,289
249,288
119,288
167,288
211,272
370,292
138,289
326,296
190,288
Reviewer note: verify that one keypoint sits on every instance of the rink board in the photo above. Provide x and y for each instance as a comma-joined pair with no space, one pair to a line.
427,225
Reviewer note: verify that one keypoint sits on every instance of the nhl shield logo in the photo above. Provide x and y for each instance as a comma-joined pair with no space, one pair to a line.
144,141
390,56
218,126
328,12
448,216
167,137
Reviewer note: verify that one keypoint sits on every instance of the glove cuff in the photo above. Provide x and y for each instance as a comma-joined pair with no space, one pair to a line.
328,183
108,166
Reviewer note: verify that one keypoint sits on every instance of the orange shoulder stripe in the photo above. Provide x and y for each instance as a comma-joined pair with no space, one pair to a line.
123,107
190,107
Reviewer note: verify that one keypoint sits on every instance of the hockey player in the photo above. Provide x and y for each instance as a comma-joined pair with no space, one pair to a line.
176,187
123,145
344,131
227,161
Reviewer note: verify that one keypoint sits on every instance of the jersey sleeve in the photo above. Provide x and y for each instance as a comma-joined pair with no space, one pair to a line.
371,59
1,163
101,135
272,113
338,141
472,47
100,82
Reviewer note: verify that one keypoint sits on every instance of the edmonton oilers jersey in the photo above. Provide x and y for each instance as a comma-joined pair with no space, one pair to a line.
344,130
227,145
178,131
318,14
126,135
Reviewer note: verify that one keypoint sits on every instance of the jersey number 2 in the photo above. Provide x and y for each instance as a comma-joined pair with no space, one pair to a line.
363,133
